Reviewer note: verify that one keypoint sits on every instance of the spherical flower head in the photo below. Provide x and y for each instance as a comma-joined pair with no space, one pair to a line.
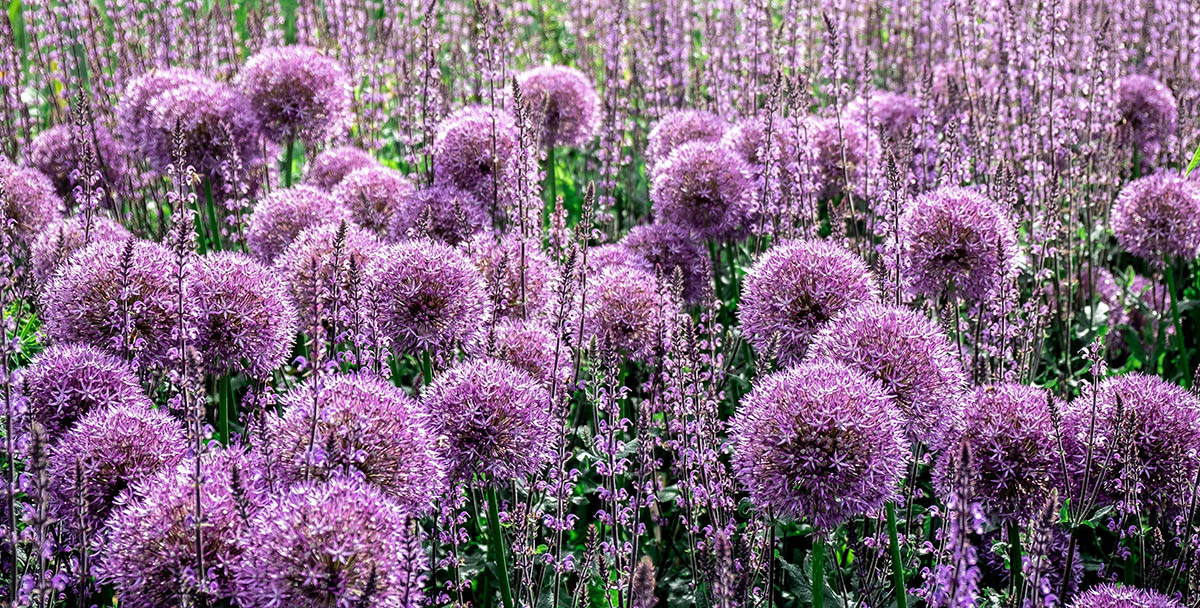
27,200
55,153
58,241
295,91
627,312
600,257
1157,218
247,321
108,450
819,442
328,168
215,122
667,247
531,346
842,152
1148,112
521,281
759,142
1015,463
1139,429
150,538
122,297
335,543
680,127
1111,596
892,114
564,102
284,214
136,108
794,288
909,355
496,419
372,195
315,277
475,150
428,297
365,428
66,381
442,212
956,238
705,188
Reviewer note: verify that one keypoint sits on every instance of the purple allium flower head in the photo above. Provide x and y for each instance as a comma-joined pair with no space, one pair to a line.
748,137
328,168
843,152
475,150
93,294
893,114
28,200
57,242
600,257
428,297
819,441
1111,596
1158,217
283,214
794,288
66,381
295,91
137,109
214,119
909,355
372,195
150,551
1015,463
667,247
110,449
1141,431
564,102
625,311
247,321
500,264
311,273
448,214
365,428
1148,112
704,187
336,543
680,127
54,153
496,418
530,346
956,238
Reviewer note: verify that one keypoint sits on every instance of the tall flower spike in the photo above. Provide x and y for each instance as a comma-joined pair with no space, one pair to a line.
284,214
247,321
66,381
372,194
564,102
295,91
705,188
1157,218
328,168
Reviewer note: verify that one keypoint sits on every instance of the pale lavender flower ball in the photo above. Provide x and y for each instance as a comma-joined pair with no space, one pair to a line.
626,312
1112,596
667,247
475,149
365,428
600,257
892,114
296,91
564,102
749,138
284,214
328,168
314,278
246,320
136,109
110,449
122,297
1148,112
54,152
840,153
496,419
215,121
428,297
372,194
956,239
150,545
794,288
66,381
334,543
705,188
909,355
532,346
1015,465
680,127
27,200
444,212
57,242
517,278
818,442
1157,218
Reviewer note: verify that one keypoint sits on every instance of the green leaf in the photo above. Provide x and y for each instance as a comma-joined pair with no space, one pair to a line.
1195,162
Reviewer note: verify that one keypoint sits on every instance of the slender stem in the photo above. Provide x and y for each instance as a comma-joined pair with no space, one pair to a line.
223,398
818,571
897,562
1183,351
426,368
214,216
497,542
551,178
287,162
1014,559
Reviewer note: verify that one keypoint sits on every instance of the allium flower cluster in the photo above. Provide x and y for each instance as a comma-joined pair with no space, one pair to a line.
284,214
365,428
66,381
667,247
521,281
680,127
295,91
214,120
58,241
1148,112
136,108
316,265
600,257
819,442
496,419
1157,218
626,312
372,194
475,150
28,200
794,288
956,239
1111,596
245,317
909,355
328,168
703,187
442,212
531,346
843,152
892,114
428,298
564,103
55,154
335,543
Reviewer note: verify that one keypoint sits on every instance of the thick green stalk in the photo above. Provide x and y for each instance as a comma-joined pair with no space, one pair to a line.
496,539
818,572
897,561
1015,559
224,397
426,368
1183,351
287,162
